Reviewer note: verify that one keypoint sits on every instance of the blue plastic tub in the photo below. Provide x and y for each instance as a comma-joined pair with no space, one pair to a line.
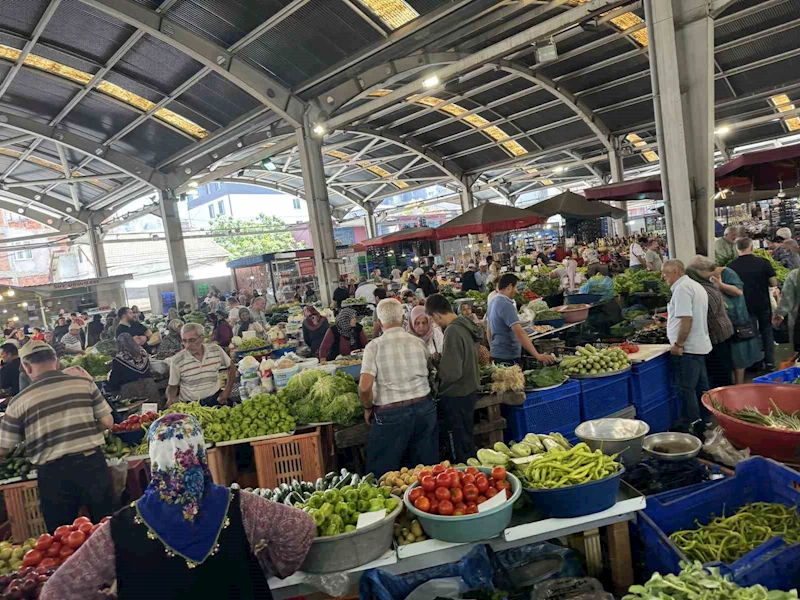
278,352
650,380
547,411
583,298
658,414
784,376
556,323
773,564
352,370
603,396
577,500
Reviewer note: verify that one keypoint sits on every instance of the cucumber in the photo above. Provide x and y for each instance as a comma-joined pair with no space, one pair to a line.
344,473
295,485
369,478
284,487
355,480
345,480
329,476
332,483
319,485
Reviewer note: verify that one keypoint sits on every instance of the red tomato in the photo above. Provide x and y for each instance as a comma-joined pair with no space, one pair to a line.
443,480
40,570
86,528
445,507
481,499
66,552
499,473
503,485
50,563
471,493
44,542
468,479
490,493
456,495
439,469
415,493
471,504
492,483
482,483
32,558
434,507
61,532
458,513
423,504
472,471
471,510
455,482
442,494
54,549
459,506
76,539
431,496
461,475
424,473
82,520
428,484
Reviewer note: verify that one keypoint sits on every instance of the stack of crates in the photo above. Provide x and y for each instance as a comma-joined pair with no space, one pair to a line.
604,396
557,411
652,393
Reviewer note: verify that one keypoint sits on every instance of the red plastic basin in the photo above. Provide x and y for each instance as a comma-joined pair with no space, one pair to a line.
772,443
574,312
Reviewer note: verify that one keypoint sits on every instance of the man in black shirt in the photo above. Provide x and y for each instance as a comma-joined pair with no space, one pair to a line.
340,294
61,328
9,373
758,276
127,324
468,281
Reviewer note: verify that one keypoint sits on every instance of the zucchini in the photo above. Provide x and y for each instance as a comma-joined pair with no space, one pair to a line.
355,480
295,485
284,487
332,483
289,500
329,476
267,493
319,485
344,481
306,495
344,472
369,478
307,487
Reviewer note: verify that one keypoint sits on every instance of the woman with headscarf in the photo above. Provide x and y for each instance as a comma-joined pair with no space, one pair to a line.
187,537
421,325
315,326
130,371
345,336
172,314
245,321
170,342
222,332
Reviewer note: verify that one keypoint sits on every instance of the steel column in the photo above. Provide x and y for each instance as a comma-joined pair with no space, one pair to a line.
97,251
617,176
178,264
320,220
370,222
467,200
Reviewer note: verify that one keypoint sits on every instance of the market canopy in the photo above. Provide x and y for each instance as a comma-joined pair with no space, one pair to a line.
771,169
406,234
574,206
645,188
488,218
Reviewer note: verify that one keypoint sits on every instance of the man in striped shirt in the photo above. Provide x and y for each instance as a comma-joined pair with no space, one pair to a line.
61,419
194,371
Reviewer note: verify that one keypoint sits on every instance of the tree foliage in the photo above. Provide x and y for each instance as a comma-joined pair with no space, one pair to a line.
225,229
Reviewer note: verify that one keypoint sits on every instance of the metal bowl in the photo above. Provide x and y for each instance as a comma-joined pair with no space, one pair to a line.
615,436
672,446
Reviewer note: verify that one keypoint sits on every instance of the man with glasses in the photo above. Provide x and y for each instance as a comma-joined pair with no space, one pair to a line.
194,371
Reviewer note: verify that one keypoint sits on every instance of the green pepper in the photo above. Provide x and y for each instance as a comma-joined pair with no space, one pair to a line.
342,509
317,515
363,506
376,504
315,501
391,504
365,491
335,520
332,530
385,491
349,528
326,509
351,495
352,507
353,520
332,496
344,489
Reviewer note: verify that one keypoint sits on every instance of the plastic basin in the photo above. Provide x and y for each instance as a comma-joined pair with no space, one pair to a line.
468,528
353,370
764,441
345,551
574,313
577,500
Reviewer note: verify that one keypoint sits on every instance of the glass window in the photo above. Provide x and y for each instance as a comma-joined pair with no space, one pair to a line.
296,203
211,210
23,255
221,207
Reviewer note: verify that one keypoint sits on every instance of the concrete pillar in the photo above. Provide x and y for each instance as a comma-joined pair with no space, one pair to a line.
97,251
369,220
617,176
467,200
682,131
178,264
319,210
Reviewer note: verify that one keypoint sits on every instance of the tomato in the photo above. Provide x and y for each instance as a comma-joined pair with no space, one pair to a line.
467,480
471,493
76,539
32,558
66,552
456,495
445,507
44,542
439,469
481,499
423,504
472,471
431,496
443,480
442,494
81,520
455,482
490,493
482,483
461,475
96,527
471,504
459,506
499,473
492,483
415,493
86,528
54,549
424,473
50,563
428,484
472,510
434,507
61,533
458,513
40,570
503,485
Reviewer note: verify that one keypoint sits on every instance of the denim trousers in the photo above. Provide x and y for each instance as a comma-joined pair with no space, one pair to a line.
762,322
458,419
403,436
692,377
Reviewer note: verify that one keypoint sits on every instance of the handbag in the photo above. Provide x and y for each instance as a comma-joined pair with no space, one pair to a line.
743,332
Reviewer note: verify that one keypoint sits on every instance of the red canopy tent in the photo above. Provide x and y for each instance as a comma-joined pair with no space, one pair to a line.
402,235
488,218
645,188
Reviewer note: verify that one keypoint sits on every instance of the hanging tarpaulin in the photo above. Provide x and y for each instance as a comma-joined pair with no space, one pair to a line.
488,218
574,206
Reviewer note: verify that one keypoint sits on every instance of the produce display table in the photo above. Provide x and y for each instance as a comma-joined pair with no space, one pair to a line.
536,336
648,352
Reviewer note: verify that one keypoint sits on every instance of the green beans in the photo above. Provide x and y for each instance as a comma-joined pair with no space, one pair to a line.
564,468
727,539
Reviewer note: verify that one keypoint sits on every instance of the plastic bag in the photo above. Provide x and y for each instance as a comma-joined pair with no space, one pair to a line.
604,286
718,446
566,587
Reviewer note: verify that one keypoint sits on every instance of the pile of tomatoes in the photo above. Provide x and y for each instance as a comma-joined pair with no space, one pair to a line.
443,491
52,550
628,348
134,422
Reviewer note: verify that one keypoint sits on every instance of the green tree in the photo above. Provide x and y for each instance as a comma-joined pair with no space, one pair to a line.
230,235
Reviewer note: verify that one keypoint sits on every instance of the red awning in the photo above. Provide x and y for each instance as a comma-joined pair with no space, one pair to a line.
764,170
488,218
646,188
402,235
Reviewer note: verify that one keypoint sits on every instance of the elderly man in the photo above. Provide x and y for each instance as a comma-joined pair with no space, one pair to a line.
469,280
194,371
724,247
652,257
257,316
687,330
482,276
395,394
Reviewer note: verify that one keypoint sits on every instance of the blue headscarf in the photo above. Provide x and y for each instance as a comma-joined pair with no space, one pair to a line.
182,505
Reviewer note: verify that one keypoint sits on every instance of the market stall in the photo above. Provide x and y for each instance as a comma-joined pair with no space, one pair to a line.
402,248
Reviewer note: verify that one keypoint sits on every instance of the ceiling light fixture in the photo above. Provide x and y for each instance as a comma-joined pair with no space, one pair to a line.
193,185
722,130
559,169
319,130
546,52
431,81
10,293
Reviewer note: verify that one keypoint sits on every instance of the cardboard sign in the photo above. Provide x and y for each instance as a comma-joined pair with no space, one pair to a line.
149,407
306,267
247,335
368,518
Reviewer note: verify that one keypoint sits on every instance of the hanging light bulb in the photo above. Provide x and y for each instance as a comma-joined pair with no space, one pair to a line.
10,293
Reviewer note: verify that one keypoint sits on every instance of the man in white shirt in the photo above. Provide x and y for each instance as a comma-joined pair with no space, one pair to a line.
395,394
637,260
687,330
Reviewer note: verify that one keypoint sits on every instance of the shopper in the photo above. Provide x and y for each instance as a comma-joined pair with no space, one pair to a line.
9,373
245,323
72,340
637,259
424,282
591,260
395,394
469,280
61,419
788,307
506,335
459,376
340,294
652,257
130,375
344,337
482,277
421,325
94,329
194,371
315,326
60,330
257,315
221,331
786,253
376,276
745,348
127,324
687,331
38,334
725,248
170,342
758,277
187,537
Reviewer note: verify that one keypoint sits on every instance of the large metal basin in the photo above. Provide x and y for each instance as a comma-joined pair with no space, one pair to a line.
615,436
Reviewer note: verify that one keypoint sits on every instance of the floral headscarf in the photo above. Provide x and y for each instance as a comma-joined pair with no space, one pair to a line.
131,354
313,319
416,313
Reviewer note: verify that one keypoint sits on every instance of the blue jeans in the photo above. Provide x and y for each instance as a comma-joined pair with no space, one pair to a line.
692,377
404,436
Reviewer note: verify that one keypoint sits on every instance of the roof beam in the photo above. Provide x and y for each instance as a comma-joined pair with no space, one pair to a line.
18,200
292,191
255,82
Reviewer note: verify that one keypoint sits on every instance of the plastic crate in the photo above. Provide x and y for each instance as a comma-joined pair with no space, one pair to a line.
658,414
772,564
282,459
600,397
651,379
547,411
784,376
676,402
24,514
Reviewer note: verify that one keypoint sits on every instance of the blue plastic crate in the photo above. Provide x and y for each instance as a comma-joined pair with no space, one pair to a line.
773,564
658,414
603,396
784,376
676,402
546,411
650,380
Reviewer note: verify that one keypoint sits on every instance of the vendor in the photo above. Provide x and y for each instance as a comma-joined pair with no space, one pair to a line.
469,281
61,418
341,293
315,326
344,337
221,332
9,373
130,372
187,537
506,335
127,324
246,323
194,371
170,342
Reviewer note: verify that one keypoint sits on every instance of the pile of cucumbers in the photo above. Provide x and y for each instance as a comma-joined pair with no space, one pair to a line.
15,464
298,492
